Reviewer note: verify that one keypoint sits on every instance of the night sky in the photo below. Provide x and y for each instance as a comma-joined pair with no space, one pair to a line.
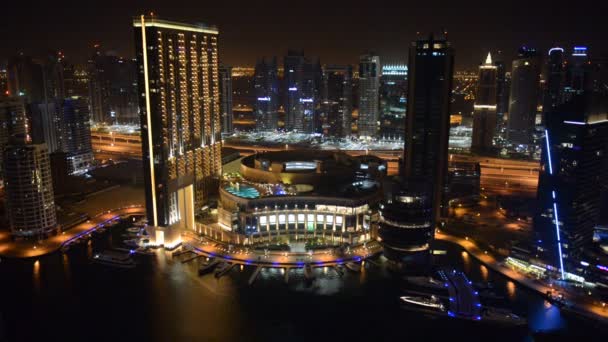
336,31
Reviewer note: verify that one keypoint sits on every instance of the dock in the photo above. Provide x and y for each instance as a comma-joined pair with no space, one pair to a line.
192,258
255,274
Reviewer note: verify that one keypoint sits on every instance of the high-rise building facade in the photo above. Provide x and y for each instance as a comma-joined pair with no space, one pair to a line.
180,119
266,91
225,73
393,101
369,96
431,66
523,98
302,77
112,88
503,86
555,74
29,190
337,100
13,123
77,134
572,178
484,109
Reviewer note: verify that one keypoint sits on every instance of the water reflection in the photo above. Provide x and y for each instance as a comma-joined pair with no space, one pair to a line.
466,261
36,276
511,290
484,272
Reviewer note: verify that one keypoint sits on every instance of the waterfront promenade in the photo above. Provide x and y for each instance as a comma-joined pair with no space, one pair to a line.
245,256
31,249
581,304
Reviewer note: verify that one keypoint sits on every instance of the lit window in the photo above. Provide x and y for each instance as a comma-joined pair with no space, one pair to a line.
339,220
319,218
291,218
329,219
300,218
281,219
263,220
272,219
311,218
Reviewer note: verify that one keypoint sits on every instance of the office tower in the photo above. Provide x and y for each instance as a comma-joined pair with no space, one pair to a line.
77,134
572,178
46,124
302,81
25,78
431,65
3,82
555,78
503,86
369,93
13,122
266,91
225,73
577,70
180,120
484,110
337,100
393,101
76,81
29,191
523,98
112,88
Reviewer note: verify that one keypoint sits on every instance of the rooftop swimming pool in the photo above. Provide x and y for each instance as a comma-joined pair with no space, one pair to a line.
244,191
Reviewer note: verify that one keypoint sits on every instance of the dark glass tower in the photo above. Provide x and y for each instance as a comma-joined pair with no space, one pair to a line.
523,99
393,101
226,98
369,96
431,65
337,100
484,114
180,120
302,78
266,91
555,78
572,180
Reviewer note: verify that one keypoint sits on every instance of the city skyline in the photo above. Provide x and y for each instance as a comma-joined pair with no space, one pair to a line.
339,34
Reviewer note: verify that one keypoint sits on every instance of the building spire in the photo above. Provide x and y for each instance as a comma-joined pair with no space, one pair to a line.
489,59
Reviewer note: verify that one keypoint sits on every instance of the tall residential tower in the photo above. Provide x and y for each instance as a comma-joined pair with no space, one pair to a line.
180,120
484,110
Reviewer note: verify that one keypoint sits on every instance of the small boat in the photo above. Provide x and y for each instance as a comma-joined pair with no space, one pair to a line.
115,259
134,230
502,316
353,266
431,302
132,242
427,282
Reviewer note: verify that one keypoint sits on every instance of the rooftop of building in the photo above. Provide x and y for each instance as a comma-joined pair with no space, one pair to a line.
152,20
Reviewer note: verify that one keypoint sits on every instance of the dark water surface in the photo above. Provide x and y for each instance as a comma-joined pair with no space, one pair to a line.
64,297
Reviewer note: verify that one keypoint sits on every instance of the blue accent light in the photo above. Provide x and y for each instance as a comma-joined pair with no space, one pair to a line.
553,194
548,152
580,123
293,89
451,314
559,242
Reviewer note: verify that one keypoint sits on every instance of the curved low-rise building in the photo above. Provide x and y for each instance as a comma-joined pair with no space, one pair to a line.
406,225
301,193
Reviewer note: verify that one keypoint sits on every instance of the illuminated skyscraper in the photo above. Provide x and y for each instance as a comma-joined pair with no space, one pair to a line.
337,100
226,98
29,190
180,120
369,95
572,179
393,100
76,135
484,115
302,82
555,78
523,99
13,123
431,66
266,92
